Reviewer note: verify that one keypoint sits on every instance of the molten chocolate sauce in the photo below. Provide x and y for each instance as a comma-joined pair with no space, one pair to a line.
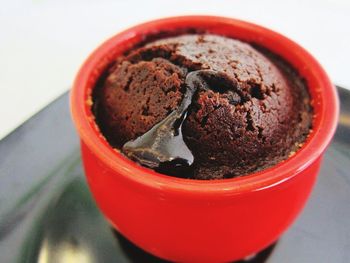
163,147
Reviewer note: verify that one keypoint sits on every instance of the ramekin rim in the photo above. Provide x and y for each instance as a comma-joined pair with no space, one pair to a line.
313,148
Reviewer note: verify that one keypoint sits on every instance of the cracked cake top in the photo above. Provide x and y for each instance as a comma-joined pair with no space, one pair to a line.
255,113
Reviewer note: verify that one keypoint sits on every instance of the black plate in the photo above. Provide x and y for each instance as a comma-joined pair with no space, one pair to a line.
47,214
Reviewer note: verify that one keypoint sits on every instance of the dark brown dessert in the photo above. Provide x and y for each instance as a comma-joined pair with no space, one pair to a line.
203,107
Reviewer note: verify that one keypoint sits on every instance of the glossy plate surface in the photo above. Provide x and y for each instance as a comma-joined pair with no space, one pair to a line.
48,215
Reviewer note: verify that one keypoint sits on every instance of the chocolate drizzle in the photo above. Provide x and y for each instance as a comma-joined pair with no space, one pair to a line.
163,146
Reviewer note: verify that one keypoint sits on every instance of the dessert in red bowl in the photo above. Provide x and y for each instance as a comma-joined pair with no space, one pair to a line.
192,220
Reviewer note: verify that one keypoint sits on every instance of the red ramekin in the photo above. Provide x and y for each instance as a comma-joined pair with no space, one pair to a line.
192,220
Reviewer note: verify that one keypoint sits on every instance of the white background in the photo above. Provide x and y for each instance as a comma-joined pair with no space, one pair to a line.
43,43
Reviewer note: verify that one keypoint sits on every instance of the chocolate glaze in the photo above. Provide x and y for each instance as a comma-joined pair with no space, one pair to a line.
163,146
